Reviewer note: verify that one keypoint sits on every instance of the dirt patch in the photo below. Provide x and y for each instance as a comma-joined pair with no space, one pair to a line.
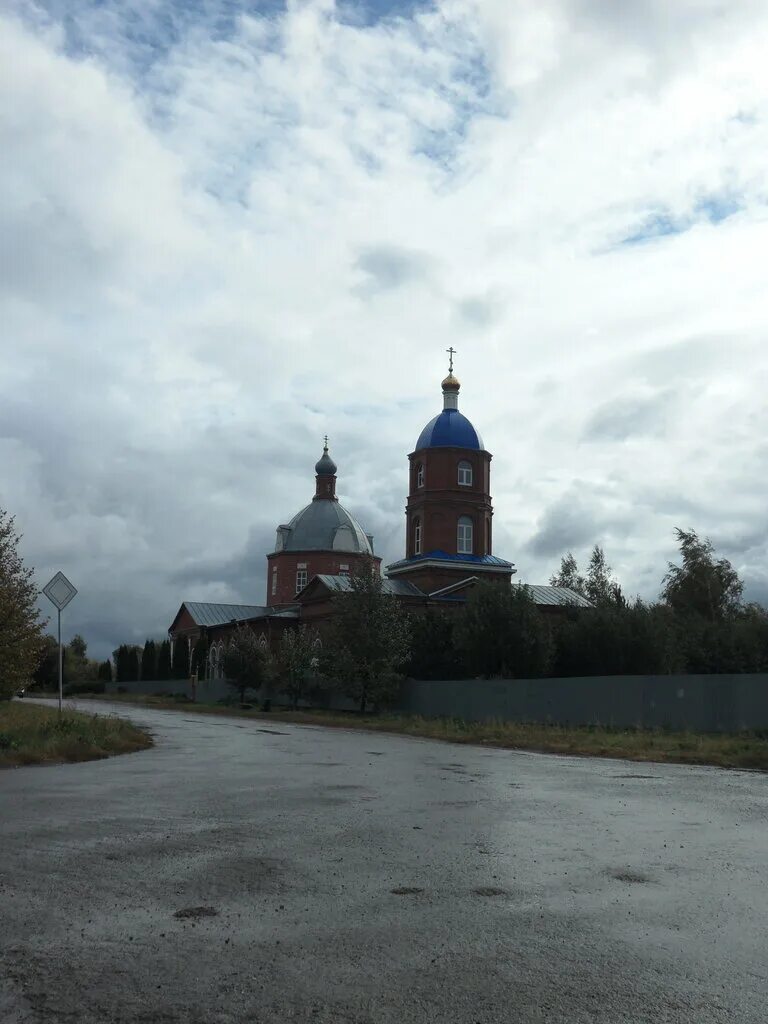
193,913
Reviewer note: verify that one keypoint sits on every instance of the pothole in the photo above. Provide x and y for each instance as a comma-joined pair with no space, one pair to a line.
406,890
489,890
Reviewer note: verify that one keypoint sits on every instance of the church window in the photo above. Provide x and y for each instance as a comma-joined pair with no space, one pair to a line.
464,536
465,474
420,475
301,579
417,536
274,583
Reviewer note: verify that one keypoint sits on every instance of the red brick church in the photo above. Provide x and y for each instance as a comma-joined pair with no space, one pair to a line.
448,546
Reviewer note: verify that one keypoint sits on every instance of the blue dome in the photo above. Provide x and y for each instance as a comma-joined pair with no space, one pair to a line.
450,429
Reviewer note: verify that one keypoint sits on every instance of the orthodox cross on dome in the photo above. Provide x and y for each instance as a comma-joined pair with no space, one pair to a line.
451,352
325,445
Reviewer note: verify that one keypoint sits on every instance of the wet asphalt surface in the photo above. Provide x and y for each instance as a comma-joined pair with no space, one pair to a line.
354,877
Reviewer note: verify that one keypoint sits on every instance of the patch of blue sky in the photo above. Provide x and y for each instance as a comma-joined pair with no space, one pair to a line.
716,208
713,208
135,35
371,12
470,93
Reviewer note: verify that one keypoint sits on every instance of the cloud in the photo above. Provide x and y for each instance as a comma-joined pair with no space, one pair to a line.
228,230
630,416
387,267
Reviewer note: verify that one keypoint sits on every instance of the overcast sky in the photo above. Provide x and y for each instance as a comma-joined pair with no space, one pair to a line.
228,228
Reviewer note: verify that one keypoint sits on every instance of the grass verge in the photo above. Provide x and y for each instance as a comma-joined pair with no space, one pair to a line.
31,734
724,750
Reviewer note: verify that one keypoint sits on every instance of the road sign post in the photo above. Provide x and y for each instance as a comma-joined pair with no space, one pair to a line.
60,592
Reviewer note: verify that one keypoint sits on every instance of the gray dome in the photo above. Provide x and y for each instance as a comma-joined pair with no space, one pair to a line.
325,466
324,525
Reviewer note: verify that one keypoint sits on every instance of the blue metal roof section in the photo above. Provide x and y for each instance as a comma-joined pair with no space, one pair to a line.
449,429
443,556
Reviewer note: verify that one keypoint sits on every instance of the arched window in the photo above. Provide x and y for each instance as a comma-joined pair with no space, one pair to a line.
420,475
464,536
417,536
465,473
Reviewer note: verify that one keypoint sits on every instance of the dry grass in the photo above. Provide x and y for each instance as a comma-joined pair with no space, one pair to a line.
30,734
740,750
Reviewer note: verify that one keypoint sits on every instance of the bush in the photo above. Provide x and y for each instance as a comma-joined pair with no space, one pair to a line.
94,686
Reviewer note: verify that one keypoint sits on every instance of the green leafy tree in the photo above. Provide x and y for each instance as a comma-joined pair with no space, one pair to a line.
21,630
568,576
600,587
246,661
613,639
296,659
78,646
105,671
702,584
368,642
46,674
164,660
502,633
433,647
148,666
77,667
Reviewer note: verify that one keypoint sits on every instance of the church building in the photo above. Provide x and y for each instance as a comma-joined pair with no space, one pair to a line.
448,543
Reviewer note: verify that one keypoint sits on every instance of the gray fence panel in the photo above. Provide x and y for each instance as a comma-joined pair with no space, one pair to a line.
701,703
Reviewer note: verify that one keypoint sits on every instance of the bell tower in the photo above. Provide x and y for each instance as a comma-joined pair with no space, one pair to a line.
449,513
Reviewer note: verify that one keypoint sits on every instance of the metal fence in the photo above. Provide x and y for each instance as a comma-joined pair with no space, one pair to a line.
702,703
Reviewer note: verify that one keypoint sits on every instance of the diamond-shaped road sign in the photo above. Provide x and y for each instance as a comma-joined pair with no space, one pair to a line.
59,590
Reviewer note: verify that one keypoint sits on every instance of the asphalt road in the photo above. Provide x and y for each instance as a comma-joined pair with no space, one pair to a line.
353,877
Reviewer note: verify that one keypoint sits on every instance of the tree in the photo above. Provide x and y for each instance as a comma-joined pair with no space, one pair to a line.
105,671
46,674
126,663
369,639
599,586
433,647
296,657
613,639
133,664
164,660
502,632
180,659
702,585
21,631
246,661
78,646
149,660
569,576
